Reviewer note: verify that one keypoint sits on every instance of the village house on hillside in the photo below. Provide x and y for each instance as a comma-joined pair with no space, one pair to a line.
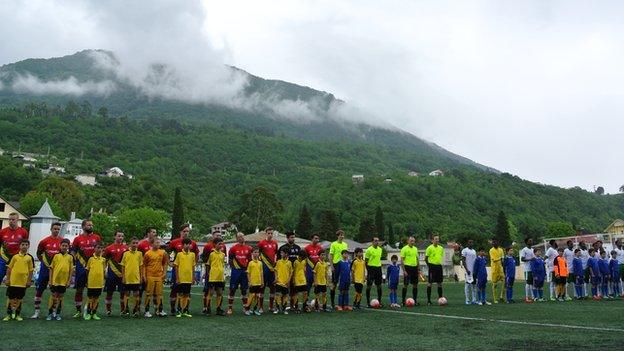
115,172
413,174
7,208
436,173
357,178
85,179
617,227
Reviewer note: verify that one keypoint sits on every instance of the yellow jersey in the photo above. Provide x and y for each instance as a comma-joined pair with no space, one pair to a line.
216,261
300,270
155,263
185,262
21,266
283,272
255,272
320,273
358,270
496,256
132,262
62,266
95,266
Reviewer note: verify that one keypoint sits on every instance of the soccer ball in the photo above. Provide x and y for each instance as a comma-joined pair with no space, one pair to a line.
312,303
442,301
375,303
410,302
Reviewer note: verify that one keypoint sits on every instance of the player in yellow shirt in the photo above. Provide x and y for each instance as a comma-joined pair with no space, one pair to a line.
300,282
132,276
155,263
216,279
321,269
95,281
18,278
255,276
358,276
498,276
61,270
184,266
283,275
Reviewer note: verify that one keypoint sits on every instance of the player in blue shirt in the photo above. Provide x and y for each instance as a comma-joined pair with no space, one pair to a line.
594,273
392,274
344,282
614,268
479,272
509,266
603,264
539,275
577,266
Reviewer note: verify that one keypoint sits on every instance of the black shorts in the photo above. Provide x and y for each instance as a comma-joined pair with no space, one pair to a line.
374,275
358,287
301,288
411,275
94,292
320,289
561,280
216,285
435,273
281,289
132,287
255,289
335,274
15,292
184,288
58,289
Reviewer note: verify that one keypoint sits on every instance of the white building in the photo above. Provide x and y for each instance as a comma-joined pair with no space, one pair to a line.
5,209
357,178
72,228
40,226
113,172
413,174
437,173
86,179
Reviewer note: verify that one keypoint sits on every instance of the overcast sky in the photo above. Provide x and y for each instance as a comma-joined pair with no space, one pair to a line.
534,88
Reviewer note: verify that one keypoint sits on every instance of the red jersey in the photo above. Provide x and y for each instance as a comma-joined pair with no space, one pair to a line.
113,253
209,247
313,251
268,252
10,241
47,248
239,256
144,245
176,246
84,246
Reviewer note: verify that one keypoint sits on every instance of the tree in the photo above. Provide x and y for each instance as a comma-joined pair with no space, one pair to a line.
560,229
328,225
135,221
177,216
501,231
622,189
366,229
304,226
599,190
67,194
259,208
390,240
33,200
105,225
102,112
380,227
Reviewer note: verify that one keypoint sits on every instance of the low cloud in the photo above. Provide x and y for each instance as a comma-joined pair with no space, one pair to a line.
71,86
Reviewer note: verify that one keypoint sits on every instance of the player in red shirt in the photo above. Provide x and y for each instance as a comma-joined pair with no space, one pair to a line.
47,248
238,258
174,247
268,256
113,254
10,238
208,248
82,249
313,250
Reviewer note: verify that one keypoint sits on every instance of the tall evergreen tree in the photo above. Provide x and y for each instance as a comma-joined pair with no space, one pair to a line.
380,226
390,240
328,225
501,231
367,229
177,217
304,226
259,208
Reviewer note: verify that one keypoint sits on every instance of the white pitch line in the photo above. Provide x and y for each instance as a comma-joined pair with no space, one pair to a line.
551,325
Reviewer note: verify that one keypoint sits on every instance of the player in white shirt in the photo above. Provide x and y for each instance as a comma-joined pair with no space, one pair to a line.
468,256
551,254
619,252
584,259
568,254
526,256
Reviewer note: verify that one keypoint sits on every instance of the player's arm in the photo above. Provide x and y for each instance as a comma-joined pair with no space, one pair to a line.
40,250
71,272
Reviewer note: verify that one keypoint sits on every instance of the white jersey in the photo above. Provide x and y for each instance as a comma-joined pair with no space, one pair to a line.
551,254
568,254
470,255
620,255
584,258
526,255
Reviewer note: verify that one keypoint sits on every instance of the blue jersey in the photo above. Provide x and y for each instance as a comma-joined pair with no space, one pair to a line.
479,270
537,267
594,266
509,266
577,266
614,267
392,275
344,272
603,264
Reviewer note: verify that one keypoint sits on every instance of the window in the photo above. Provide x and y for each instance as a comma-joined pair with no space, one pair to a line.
2,204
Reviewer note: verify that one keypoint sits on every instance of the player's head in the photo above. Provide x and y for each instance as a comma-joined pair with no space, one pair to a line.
155,244
618,243
570,244
394,258
98,248
24,244
537,251
345,254
303,255
469,243
134,243
269,233
119,236
613,254
494,242
64,245
375,241
290,237
284,254
186,242
216,235
255,253
598,243
184,230
435,240
603,253
359,252
150,233
591,251
87,226
217,241
411,241
577,252
509,250
340,235
55,228
322,257
315,239
240,237
553,243
481,252
560,251
528,242
582,245
13,220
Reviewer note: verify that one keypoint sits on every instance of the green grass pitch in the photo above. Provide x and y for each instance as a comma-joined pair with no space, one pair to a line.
552,325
